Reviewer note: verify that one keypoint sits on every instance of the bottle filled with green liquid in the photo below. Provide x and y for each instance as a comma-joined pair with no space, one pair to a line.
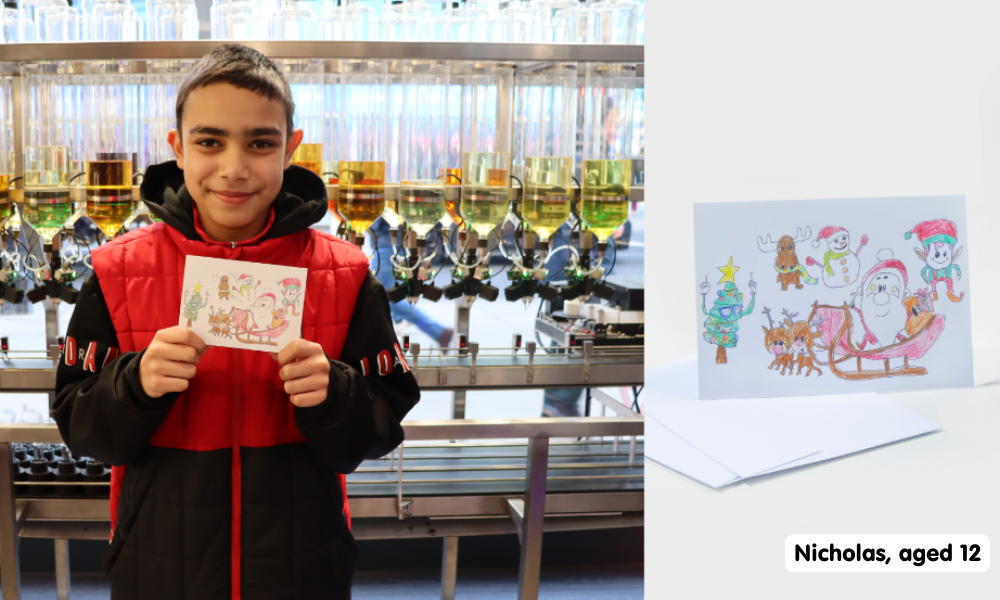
5,206
47,212
485,190
421,204
109,194
604,196
47,205
548,191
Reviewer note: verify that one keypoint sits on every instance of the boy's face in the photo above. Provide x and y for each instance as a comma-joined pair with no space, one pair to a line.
234,151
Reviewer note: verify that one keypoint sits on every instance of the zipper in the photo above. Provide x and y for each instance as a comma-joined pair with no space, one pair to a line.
236,434
233,244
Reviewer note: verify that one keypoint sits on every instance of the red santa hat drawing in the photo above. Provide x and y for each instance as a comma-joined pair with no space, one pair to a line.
938,230
245,276
886,262
291,282
826,233
268,295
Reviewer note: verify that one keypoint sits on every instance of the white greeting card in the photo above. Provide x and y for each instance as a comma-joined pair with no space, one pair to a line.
811,297
244,305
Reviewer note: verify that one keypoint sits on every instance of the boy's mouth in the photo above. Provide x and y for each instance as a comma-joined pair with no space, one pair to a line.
232,198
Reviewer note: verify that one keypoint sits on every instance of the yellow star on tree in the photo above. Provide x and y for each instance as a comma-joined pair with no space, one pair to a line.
728,272
197,286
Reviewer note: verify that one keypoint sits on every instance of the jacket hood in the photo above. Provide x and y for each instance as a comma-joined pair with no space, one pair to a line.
300,203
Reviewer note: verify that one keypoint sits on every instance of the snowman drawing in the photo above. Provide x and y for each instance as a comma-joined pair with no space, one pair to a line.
840,266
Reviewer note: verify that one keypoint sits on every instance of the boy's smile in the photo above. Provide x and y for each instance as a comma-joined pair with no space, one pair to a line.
233,151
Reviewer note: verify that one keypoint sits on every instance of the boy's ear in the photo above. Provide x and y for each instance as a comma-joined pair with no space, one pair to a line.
174,139
293,143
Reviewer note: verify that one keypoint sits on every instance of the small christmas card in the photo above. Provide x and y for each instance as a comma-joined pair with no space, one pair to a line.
815,297
245,305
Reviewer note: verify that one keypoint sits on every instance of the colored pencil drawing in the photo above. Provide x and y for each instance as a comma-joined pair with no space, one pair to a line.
937,241
840,266
790,272
722,325
193,302
247,314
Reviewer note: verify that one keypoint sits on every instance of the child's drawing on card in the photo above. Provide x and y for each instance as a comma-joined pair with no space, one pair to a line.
790,272
876,324
883,323
291,290
840,266
193,302
247,314
223,281
938,239
722,325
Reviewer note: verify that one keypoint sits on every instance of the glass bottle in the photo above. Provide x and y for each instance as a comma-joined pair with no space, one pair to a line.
363,142
606,173
545,145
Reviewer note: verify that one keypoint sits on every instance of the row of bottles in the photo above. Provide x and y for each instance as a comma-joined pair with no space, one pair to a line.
538,21
54,463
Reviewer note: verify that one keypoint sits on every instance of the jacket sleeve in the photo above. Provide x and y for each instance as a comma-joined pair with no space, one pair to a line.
100,407
371,390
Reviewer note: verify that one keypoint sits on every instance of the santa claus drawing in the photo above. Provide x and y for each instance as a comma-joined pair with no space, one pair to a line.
879,304
841,266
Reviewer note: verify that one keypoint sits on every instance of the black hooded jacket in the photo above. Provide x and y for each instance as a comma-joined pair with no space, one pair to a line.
173,534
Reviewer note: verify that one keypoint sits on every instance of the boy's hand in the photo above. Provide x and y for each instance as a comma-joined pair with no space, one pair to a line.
305,371
170,361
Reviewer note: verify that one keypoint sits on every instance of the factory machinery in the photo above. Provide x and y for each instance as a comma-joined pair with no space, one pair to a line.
481,159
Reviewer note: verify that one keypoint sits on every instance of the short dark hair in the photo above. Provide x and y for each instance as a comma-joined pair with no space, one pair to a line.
241,67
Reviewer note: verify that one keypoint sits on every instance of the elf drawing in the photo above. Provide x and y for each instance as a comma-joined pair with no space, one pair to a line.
246,289
194,304
841,267
291,290
938,239
722,325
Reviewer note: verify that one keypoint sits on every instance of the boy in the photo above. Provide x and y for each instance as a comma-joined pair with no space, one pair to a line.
228,479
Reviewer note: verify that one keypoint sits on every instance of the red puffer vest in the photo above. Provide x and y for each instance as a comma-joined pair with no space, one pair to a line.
237,398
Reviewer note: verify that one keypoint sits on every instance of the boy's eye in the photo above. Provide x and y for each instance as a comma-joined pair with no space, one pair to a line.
262,144
209,143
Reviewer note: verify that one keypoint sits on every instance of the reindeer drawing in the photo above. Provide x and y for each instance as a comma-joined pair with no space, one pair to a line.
778,342
220,322
802,336
790,272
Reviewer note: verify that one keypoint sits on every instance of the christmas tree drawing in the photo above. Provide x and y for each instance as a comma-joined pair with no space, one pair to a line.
722,325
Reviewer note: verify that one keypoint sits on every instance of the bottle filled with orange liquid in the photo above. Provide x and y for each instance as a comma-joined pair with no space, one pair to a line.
109,194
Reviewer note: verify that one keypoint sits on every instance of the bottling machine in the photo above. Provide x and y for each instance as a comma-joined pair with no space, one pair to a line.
497,167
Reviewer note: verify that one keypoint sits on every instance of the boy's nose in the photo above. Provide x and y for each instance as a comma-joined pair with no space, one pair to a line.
233,165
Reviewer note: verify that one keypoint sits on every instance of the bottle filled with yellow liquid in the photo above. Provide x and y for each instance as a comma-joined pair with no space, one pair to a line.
5,206
485,190
421,204
604,195
452,177
109,194
548,193
309,156
361,193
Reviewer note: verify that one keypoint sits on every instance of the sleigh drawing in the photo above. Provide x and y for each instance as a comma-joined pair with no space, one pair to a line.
264,336
835,324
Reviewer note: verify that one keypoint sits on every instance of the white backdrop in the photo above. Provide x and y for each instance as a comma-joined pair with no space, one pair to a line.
784,99
776,100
